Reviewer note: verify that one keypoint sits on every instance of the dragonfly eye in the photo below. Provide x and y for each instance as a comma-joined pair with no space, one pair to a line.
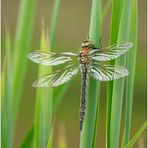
86,43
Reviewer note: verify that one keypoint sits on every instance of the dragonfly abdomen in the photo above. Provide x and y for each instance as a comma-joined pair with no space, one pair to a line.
83,95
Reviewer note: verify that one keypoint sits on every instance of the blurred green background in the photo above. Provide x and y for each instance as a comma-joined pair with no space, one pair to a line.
72,28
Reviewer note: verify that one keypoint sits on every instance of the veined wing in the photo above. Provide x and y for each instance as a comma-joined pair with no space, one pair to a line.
57,78
50,58
107,72
111,52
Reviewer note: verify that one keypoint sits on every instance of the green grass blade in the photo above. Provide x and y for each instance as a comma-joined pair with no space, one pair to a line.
131,64
117,6
136,136
88,132
28,140
23,37
118,86
43,113
7,111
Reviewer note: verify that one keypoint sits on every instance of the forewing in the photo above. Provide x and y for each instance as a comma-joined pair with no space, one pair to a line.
51,58
107,72
111,52
57,78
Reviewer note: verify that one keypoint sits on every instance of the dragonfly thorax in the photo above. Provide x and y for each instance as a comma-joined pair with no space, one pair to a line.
83,58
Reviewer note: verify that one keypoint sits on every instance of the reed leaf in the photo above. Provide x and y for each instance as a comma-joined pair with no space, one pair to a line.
118,86
88,133
23,37
117,6
131,65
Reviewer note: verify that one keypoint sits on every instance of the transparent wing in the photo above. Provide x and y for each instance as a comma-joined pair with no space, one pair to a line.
107,72
51,58
57,78
111,52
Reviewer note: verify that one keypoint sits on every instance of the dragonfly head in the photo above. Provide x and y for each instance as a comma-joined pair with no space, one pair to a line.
86,43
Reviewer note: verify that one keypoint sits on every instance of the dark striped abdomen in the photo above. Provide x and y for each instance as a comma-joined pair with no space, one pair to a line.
83,95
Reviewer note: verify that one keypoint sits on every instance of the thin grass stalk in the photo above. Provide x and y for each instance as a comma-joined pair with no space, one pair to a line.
7,127
23,38
118,86
117,6
131,65
88,133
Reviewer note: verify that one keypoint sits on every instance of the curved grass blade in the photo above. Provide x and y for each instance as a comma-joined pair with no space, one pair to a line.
131,65
118,86
88,133
136,136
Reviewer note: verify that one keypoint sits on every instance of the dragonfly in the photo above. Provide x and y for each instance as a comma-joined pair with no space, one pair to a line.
89,61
